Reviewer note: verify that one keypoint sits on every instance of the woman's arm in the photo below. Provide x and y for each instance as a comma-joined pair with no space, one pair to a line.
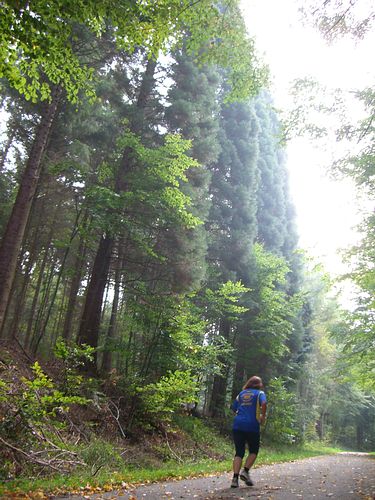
264,413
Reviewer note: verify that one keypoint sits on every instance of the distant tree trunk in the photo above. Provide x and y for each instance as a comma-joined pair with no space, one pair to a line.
90,322
14,232
220,384
152,347
321,426
105,301
359,435
52,299
242,353
35,299
39,322
59,317
74,289
128,353
107,355
21,297
6,148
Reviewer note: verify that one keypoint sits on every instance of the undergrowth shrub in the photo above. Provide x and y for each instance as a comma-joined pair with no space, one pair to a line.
73,356
162,399
33,412
41,399
198,430
207,440
99,453
281,425
33,403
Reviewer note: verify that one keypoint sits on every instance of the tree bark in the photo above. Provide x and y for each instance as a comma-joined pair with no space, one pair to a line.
13,236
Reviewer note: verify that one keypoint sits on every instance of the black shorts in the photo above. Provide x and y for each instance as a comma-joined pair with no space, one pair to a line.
240,439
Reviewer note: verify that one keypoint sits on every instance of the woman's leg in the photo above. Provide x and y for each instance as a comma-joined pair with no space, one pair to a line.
253,440
239,439
250,460
237,462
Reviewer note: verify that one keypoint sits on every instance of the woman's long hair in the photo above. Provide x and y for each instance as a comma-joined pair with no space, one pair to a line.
253,383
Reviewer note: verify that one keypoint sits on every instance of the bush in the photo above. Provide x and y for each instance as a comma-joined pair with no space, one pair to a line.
73,356
32,412
100,454
202,433
161,399
281,420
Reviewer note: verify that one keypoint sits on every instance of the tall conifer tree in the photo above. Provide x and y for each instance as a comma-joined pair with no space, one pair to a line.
232,223
193,112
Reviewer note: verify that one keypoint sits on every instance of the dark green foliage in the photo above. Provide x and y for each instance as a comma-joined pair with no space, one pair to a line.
232,221
281,422
272,194
193,112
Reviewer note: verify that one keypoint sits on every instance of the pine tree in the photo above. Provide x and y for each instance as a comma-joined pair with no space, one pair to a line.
193,112
232,222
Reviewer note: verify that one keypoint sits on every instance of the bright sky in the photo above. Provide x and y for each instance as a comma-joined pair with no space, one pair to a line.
326,209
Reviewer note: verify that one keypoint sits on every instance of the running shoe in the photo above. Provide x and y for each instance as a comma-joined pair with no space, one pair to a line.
245,476
234,483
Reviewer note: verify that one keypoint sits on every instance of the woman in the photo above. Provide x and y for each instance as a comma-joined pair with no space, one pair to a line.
250,407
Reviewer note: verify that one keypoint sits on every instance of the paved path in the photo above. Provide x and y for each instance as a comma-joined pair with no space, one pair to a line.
344,476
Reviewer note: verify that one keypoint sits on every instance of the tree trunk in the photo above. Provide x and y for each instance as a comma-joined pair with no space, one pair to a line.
219,389
35,299
43,327
14,299
90,322
38,327
12,239
74,288
107,355
242,354
6,148
21,298
59,318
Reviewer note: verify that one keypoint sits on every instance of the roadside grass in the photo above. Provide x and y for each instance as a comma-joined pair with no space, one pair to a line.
83,482
270,455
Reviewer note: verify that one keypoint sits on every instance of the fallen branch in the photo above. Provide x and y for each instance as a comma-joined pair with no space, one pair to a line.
170,449
56,463
97,470
30,457
117,416
24,351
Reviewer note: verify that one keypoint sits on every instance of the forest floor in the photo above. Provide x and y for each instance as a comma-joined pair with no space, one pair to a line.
343,476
